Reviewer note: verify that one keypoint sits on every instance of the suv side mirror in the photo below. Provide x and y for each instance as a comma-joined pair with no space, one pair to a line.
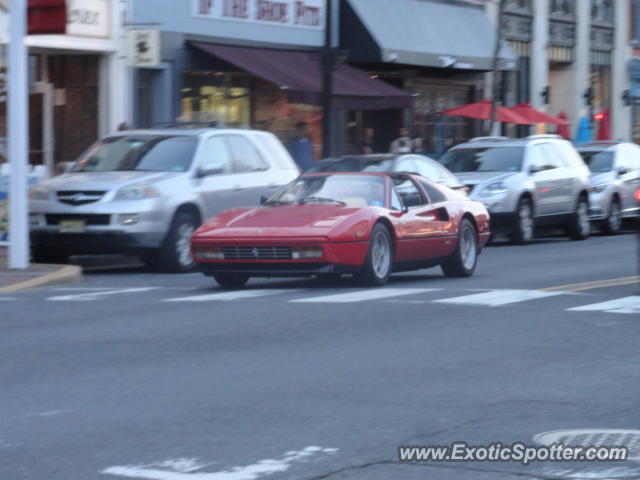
405,209
263,199
534,169
622,170
201,172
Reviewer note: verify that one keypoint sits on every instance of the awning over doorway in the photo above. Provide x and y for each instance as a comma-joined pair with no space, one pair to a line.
299,73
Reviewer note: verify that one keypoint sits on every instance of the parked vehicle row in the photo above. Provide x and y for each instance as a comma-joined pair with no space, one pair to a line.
181,198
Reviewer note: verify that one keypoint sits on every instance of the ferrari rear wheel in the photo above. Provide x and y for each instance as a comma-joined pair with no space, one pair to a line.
378,264
231,281
463,261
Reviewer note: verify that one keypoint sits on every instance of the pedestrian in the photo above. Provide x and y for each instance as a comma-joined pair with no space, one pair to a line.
300,147
367,142
402,144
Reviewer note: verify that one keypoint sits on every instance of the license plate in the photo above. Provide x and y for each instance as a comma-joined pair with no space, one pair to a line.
71,226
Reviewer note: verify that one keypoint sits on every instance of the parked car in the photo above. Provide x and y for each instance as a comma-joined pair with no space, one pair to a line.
615,176
409,162
146,191
525,183
328,224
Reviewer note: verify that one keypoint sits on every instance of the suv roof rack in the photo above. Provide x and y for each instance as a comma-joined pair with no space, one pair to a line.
213,124
544,135
490,139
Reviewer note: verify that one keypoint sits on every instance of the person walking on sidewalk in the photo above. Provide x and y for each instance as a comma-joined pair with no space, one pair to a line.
300,147
402,144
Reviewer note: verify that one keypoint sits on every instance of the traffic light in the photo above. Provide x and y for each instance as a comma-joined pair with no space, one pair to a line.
46,16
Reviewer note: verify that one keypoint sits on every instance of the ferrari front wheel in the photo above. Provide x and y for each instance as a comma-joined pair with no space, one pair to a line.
378,264
231,281
463,261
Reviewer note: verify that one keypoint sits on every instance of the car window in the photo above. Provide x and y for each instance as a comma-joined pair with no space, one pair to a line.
552,158
493,159
598,161
217,155
396,204
544,158
633,152
276,153
435,195
245,156
408,191
625,157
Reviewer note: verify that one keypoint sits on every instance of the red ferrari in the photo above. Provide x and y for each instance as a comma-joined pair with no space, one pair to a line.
329,224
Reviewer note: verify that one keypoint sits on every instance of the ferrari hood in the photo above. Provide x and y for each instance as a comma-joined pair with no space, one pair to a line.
288,220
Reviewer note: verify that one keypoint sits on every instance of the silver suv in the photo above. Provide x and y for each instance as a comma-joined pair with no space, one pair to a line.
615,177
145,192
525,183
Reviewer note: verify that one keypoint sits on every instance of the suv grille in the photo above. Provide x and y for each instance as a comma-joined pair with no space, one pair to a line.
259,253
89,219
79,197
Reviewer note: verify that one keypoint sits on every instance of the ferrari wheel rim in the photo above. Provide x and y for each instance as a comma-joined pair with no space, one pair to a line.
614,217
526,222
381,255
468,248
185,231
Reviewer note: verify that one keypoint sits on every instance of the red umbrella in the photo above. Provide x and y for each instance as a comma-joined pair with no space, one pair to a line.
563,128
536,116
604,132
482,111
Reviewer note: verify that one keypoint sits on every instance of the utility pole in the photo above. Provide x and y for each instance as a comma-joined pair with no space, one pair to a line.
328,66
18,130
496,59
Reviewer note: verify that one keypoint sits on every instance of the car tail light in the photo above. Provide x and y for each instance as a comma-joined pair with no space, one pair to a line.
637,195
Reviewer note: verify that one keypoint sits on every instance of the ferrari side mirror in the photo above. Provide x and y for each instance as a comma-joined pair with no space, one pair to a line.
405,209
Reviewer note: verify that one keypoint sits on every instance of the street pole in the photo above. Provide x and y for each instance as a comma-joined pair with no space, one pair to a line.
496,59
18,130
328,63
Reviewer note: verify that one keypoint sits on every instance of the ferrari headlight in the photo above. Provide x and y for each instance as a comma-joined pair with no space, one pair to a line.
209,254
299,253
598,188
40,193
136,192
496,188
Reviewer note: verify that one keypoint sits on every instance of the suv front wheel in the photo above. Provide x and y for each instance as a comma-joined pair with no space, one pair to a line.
580,225
175,254
523,227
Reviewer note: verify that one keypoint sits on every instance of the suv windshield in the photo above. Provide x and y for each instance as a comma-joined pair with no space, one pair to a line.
350,190
598,162
494,159
143,153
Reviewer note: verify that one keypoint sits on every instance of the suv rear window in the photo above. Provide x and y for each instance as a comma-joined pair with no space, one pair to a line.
494,159
141,153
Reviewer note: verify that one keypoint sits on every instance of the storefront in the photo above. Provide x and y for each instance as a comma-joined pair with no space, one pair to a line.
262,69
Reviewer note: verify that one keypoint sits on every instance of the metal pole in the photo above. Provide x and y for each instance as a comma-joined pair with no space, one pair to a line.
327,83
494,76
18,129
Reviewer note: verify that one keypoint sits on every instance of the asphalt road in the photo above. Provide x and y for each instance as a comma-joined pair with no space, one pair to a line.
133,374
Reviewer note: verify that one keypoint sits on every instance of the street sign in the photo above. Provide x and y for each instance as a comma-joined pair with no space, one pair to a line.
143,48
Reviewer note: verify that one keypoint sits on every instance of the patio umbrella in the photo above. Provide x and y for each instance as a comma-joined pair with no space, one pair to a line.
563,128
482,111
536,116
604,131
585,132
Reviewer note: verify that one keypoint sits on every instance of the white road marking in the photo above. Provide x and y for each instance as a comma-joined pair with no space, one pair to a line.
233,295
6,299
620,305
48,413
496,298
187,469
364,295
83,297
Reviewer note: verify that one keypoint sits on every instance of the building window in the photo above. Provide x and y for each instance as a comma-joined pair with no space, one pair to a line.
602,11
562,7
635,23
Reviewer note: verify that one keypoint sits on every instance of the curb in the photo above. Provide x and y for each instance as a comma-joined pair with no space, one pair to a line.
66,274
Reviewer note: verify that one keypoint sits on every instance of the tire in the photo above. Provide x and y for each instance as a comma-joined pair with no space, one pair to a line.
379,261
523,228
580,226
462,263
175,256
231,281
613,223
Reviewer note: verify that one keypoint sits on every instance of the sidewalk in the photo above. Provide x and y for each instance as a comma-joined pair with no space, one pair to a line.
35,275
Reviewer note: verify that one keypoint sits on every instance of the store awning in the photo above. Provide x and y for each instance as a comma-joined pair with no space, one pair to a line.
299,73
430,34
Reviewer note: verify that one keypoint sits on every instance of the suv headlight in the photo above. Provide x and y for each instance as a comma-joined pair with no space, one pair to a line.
136,192
495,188
39,193
598,188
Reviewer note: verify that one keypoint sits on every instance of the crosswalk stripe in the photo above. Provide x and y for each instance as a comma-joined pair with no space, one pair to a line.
100,294
495,298
227,296
363,295
620,305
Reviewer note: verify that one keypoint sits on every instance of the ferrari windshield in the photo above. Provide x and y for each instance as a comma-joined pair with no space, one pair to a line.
152,153
349,190
495,159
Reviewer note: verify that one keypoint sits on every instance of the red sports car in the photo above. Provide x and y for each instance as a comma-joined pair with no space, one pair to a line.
328,224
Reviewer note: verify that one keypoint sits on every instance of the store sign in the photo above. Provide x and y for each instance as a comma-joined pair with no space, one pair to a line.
286,13
143,48
89,18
